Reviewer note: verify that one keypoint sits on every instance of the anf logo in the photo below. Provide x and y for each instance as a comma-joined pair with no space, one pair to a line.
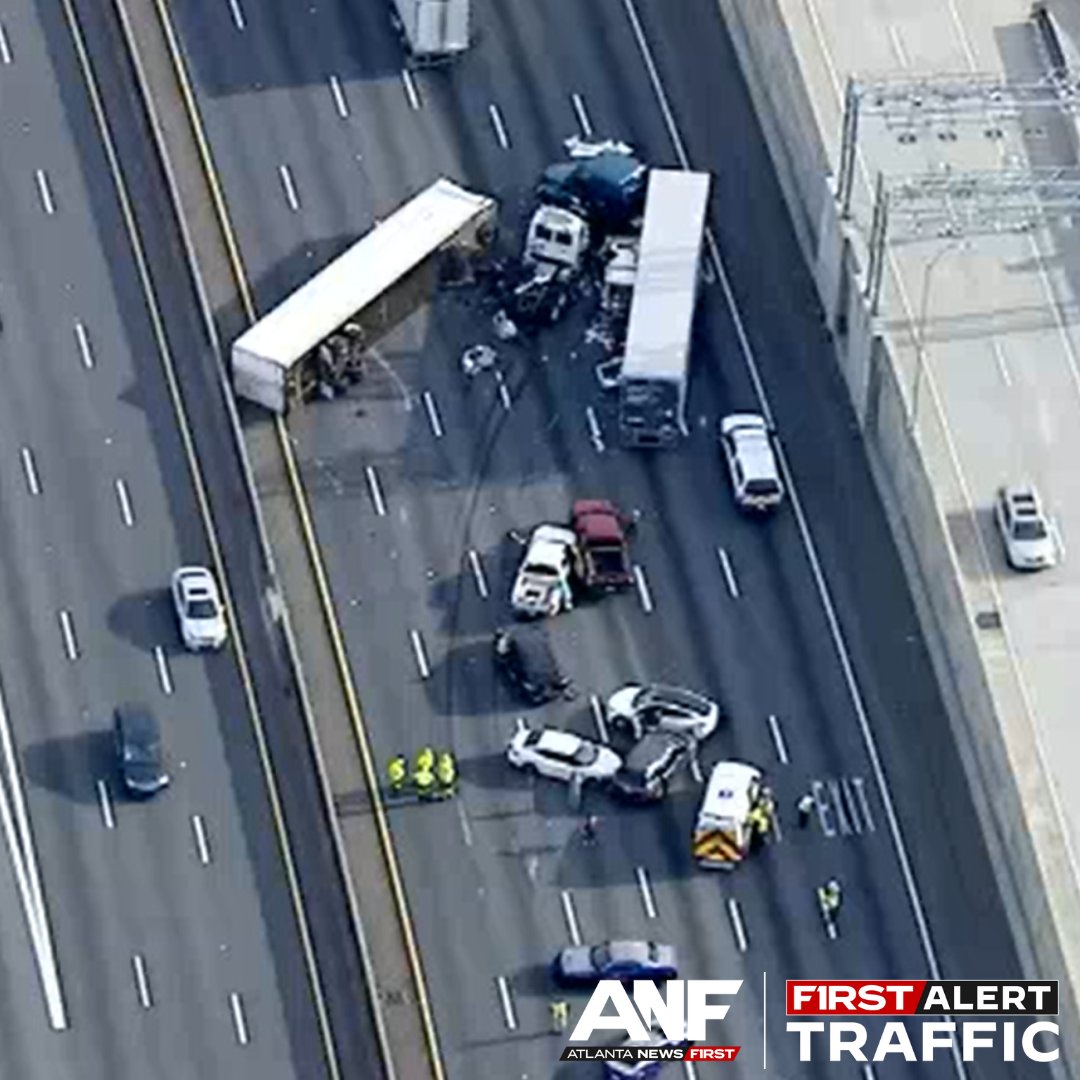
681,1013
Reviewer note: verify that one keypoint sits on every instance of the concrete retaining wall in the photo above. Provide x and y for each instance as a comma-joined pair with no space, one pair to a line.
972,665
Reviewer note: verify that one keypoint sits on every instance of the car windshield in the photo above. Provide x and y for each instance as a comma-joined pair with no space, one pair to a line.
586,754
762,487
202,609
1029,530
540,570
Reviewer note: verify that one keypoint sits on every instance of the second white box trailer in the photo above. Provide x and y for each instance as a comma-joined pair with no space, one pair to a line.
433,30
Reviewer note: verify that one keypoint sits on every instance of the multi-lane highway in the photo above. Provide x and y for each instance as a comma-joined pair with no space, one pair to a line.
173,926
811,642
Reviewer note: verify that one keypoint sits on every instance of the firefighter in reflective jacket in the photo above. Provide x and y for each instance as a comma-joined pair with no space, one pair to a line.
446,774
424,760
760,820
398,773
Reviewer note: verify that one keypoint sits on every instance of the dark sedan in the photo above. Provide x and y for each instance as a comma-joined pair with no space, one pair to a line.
622,960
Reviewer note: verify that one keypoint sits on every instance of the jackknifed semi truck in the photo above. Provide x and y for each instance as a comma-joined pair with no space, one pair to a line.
433,30
656,361
317,335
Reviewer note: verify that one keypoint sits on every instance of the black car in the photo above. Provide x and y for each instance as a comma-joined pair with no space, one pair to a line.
138,750
650,765
524,657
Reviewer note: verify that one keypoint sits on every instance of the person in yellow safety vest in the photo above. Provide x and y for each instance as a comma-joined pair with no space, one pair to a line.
760,823
830,897
446,773
424,782
424,760
398,773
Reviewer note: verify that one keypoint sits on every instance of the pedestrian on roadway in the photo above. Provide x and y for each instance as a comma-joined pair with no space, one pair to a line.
830,896
398,773
805,807
588,828
446,774
424,782
424,760
560,1016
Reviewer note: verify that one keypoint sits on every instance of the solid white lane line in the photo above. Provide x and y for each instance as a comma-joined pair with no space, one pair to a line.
105,803
646,891
27,456
898,45
1059,538
237,14
375,488
596,436
202,841
432,414
142,983
582,116
124,499
500,127
285,173
735,914
410,88
239,1020
507,1003
999,357
5,48
643,588
504,390
164,677
82,339
597,707
478,574
570,916
44,192
67,630
729,573
419,653
338,95
778,740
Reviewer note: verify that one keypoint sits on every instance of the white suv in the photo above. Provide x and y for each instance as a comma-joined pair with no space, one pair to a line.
198,608
1025,529
755,475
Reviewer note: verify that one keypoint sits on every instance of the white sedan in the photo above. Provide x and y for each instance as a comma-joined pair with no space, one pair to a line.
561,755
198,608
640,709
1025,529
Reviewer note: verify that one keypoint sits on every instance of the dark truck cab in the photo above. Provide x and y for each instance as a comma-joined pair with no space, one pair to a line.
602,535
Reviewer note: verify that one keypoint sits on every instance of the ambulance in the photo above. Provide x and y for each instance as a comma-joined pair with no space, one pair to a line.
722,832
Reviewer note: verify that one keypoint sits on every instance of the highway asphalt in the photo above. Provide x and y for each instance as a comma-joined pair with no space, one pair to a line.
493,876
176,943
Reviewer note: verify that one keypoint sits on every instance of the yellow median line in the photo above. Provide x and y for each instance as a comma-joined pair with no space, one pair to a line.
340,656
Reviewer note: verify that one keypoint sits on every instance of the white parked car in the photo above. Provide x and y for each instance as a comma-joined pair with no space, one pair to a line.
1025,528
543,582
755,474
641,709
561,755
199,608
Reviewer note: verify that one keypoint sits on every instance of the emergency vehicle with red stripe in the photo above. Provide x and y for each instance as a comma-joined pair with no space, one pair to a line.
722,833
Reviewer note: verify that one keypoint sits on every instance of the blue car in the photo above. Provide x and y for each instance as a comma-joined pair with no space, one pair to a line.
581,965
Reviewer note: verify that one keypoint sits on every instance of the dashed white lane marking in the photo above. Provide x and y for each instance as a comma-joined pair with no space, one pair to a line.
202,840
868,1072
67,630
898,46
729,573
830,929
164,676
507,1003
236,1005
582,116
504,390
1059,538
419,653
643,588
285,173
410,88
142,983
598,717
689,1070
432,414
596,436
5,48
570,916
237,14
44,192
646,891
82,339
338,95
124,499
108,819
478,574
1002,364
27,457
735,914
778,740
463,818
375,488
499,126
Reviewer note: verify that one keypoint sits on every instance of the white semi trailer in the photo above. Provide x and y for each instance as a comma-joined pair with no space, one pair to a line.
433,30
274,362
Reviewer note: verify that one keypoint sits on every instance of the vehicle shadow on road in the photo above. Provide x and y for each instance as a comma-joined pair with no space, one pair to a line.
70,765
145,620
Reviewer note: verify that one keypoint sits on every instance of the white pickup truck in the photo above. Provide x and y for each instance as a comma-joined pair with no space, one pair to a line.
543,582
